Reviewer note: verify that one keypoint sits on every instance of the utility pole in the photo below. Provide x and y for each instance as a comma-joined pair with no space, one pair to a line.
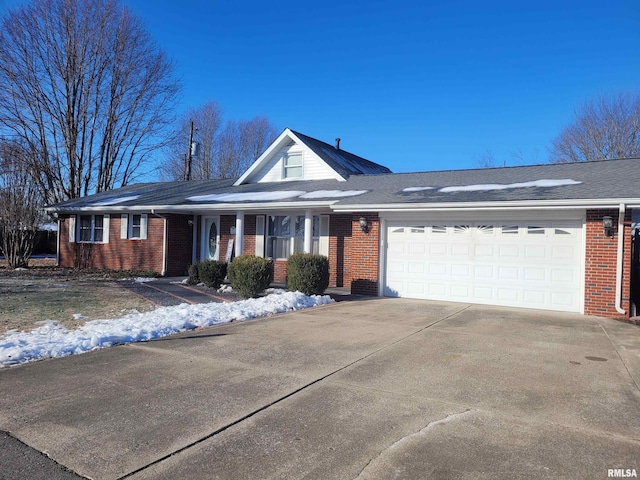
189,153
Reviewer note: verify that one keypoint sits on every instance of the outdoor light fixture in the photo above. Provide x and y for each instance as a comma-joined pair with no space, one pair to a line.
364,226
607,224
190,222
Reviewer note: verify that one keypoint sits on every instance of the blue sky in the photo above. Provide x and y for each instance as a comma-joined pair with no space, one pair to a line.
407,84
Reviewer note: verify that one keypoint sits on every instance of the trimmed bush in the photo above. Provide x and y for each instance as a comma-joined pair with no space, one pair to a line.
308,273
250,275
212,273
194,278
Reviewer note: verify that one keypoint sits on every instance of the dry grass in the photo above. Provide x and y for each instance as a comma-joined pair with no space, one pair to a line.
46,293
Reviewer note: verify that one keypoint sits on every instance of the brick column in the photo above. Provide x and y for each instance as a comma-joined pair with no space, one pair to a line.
601,264
363,255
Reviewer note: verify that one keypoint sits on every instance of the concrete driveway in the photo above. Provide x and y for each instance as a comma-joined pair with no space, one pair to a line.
371,389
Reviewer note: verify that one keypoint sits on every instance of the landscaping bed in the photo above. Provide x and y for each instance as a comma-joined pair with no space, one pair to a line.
70,297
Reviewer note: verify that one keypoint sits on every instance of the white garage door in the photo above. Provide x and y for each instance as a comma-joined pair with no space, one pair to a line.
533,264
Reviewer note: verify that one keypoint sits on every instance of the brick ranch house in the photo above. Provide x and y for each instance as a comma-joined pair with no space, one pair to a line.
555,237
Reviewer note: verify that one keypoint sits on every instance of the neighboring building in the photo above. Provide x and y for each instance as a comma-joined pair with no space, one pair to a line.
530,236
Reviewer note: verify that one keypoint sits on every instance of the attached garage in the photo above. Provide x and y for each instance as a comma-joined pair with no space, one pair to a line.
532,262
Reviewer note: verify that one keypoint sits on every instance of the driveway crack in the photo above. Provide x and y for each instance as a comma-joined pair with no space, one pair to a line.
406,439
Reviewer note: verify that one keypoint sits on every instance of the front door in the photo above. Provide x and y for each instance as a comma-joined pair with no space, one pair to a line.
210,238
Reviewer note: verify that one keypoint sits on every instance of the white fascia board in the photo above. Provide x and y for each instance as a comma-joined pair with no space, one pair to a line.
189,209
519,205
275,145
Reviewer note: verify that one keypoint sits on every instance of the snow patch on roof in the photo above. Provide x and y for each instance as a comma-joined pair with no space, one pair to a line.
333,194
114,200
416,189
544,183
247,196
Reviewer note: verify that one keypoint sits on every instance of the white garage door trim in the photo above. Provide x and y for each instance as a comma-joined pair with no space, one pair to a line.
527,259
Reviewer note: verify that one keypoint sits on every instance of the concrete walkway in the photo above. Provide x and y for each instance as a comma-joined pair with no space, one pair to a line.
373,389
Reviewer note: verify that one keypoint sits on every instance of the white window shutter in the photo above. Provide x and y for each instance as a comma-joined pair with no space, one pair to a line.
124,225
143,226
72,229
323,241
105,228
260,219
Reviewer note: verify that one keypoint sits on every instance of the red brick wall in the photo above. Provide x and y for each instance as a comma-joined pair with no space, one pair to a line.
339,244
119,253
601,264
179,244
227,222
362,258
249,241
280,271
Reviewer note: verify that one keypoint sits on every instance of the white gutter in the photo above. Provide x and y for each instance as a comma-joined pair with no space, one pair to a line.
164,241
621,235
231,208
194,250
190,208
58,245
517,205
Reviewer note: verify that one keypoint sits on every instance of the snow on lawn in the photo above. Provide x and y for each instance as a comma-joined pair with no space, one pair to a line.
54,340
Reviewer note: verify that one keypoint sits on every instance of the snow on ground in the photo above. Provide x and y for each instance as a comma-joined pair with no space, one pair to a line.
54,340
145,279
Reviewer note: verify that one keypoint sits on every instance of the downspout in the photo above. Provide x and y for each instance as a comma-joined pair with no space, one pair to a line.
58,243
164,246
621,234
164,241
194,235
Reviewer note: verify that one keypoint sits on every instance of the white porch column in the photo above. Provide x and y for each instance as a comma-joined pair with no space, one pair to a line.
239,232
308,230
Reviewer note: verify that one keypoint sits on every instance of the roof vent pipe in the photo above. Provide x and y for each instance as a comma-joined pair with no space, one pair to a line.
337,144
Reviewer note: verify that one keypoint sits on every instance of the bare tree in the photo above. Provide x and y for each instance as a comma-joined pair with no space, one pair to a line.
241,143
86,88
604,128
20,205
255,135
207,121
486,159
227,149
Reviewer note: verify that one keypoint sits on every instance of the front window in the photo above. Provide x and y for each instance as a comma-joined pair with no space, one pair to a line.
136,226
293,165
91,228
285,235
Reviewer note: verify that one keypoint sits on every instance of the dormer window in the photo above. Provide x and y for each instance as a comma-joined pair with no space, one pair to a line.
292,165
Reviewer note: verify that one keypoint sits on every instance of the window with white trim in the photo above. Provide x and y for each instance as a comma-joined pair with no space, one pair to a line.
285,235
292,165
133,226
91,229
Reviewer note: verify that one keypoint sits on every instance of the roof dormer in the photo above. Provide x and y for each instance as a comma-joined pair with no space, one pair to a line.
293,156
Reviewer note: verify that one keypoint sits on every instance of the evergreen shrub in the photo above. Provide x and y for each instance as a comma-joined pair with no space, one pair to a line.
212,273
308,273
249,275
194,278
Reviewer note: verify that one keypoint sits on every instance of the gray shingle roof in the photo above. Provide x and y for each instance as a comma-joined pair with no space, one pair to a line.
343,162
611,181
